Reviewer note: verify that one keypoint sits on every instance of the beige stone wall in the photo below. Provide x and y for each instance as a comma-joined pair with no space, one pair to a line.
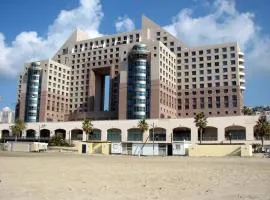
214,150
220,150
95,147
220,123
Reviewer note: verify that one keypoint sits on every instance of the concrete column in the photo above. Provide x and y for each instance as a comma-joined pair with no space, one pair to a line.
122,110
68,135
37,135
249,132
124,135
111,97
154,99
194,135
103,135
221,134
91,90
84,137
169,135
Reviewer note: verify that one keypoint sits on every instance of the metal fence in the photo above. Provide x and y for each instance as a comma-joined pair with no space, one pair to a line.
2,147
266,137
26,139
209,138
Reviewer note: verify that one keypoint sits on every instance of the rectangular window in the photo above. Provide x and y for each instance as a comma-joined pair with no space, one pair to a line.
226,101
210,102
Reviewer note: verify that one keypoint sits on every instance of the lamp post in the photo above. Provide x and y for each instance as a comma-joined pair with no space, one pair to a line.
39,133
40,126
230,137
153,138
69,134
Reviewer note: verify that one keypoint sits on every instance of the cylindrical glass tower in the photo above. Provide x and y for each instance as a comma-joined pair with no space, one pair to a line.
32,95
137,80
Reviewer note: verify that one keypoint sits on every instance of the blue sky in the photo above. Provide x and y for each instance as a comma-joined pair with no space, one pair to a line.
33,29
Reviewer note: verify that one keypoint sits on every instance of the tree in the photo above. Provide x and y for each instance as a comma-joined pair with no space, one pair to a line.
143,126
247,111
87,127
200,121
17,128
262,128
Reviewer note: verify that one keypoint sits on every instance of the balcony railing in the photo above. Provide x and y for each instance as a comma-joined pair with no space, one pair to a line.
236,138
181,138
209,138
26,139
267,137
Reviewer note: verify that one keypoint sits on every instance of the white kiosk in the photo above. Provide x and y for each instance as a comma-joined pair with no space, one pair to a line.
180,148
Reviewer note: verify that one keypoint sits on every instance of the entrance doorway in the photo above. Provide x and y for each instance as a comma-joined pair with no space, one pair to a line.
83,148
170,153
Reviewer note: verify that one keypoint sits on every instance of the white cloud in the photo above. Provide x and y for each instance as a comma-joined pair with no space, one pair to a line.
225,24
29,46
124,24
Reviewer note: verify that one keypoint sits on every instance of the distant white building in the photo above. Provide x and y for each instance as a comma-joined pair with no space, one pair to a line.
7,115
266,113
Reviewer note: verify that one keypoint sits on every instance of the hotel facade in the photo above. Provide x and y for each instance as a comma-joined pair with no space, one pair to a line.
150,74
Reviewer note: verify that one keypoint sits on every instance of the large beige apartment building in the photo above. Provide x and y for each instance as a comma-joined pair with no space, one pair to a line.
151,74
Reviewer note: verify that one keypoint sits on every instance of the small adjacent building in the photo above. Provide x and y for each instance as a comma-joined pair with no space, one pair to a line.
26,146
7,115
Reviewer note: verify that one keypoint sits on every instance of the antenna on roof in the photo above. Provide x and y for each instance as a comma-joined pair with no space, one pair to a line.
34,51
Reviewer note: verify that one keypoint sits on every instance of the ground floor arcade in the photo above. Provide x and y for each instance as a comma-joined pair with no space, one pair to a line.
237,129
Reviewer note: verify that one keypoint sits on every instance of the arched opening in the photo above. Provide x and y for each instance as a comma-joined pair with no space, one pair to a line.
5,133
162,116
60,133
114,135
76,134
181,134
257,135
95,135
235,133
45,133
135,134
210,133
30,133
158,133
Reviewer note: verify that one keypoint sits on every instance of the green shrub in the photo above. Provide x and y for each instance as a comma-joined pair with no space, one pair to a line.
58,141
257,148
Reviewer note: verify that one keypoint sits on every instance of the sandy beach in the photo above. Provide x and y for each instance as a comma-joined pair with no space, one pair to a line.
27,176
